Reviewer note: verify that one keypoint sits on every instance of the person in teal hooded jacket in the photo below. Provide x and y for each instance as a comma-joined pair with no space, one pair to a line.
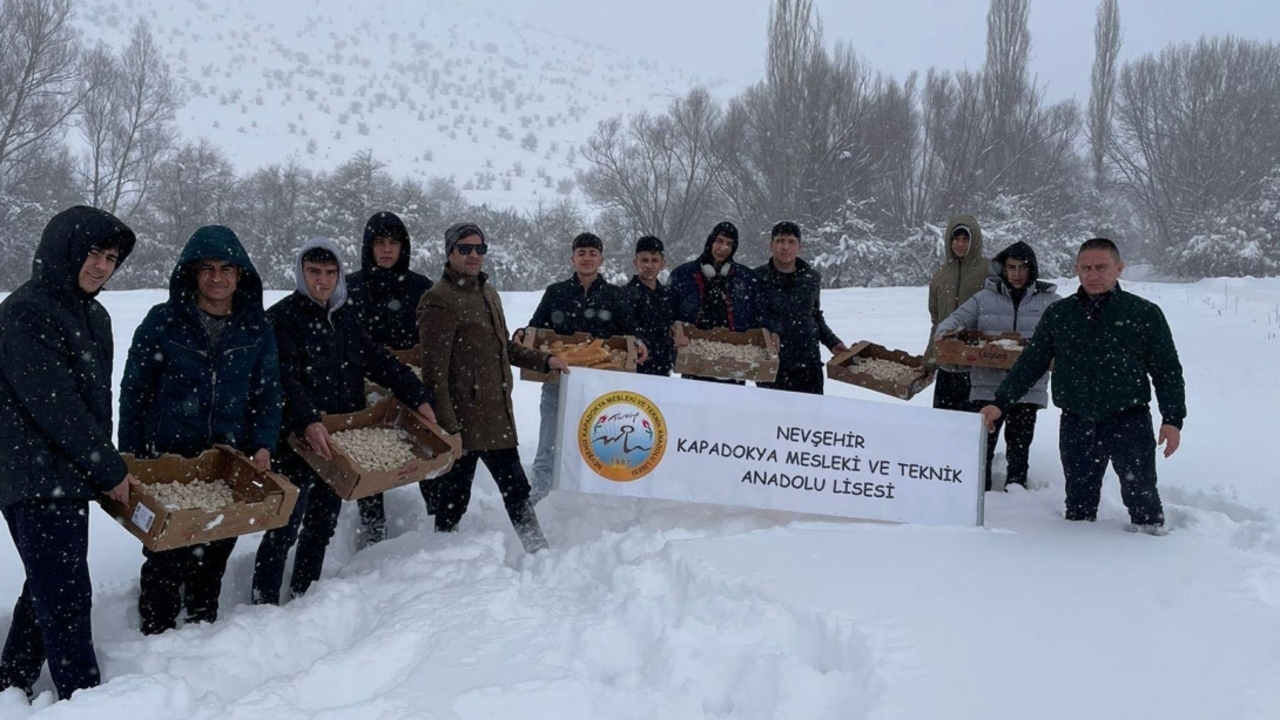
202,369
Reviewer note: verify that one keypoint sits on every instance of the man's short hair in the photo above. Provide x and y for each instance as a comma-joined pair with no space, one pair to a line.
588,240
649,243
1100,243
319,256
786,227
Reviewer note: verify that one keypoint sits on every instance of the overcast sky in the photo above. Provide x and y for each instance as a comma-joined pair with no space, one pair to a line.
726,38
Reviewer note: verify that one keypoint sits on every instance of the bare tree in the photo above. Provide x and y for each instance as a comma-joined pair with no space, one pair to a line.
126,121
39,73
1106,42
797,144
1196,127
660,171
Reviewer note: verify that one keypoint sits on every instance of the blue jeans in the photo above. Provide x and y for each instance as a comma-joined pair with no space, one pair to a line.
544,462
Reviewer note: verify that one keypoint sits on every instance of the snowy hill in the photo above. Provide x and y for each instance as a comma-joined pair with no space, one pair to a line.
432,87
649,609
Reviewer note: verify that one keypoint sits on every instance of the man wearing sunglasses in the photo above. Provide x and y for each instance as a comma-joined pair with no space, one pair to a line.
466,362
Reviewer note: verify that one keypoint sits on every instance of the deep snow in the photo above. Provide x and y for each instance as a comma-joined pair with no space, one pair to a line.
648,609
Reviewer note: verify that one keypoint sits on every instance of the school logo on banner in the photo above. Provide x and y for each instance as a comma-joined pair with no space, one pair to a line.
622,436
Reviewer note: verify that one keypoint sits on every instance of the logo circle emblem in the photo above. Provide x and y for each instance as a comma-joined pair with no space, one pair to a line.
622,436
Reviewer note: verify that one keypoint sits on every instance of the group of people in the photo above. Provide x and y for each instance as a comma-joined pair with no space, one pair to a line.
211,365
1106,348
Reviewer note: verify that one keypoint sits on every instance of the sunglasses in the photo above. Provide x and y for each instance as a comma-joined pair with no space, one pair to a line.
468,248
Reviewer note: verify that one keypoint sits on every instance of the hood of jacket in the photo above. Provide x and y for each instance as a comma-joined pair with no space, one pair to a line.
1018,251
215,242
340,292
975,240
730,231
384,223
67,240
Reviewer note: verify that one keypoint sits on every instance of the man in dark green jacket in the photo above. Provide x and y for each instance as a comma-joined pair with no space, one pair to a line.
1105,343
202,369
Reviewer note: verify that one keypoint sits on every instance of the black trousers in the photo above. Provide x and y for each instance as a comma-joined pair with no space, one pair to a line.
187,576
1019,424
373,518
951,391
1128,442
449,495
311,525
799,378
51,620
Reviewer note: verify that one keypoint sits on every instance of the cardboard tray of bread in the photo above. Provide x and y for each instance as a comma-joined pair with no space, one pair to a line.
978,349
580,350
726,354
215,495
877,368
380,448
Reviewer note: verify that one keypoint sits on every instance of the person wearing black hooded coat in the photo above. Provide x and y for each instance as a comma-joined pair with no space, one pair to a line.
55,443
325,355
385,298
196,376
713,291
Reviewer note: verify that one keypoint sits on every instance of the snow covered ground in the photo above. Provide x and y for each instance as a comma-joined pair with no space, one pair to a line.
648,609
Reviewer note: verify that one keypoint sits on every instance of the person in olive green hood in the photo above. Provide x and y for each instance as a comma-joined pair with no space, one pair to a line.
962,276
1106,343
202,369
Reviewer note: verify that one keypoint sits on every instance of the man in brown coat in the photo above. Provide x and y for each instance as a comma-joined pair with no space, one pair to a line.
959,279
466,361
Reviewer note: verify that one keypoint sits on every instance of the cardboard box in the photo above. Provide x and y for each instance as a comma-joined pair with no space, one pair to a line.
411,357
263,500
978,349
435,450
537,337
838,368
688,363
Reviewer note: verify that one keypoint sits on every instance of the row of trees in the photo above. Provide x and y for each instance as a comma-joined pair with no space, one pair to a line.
1173,155
1176,155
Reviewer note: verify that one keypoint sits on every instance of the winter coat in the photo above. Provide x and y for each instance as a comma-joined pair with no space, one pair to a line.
1103,352
55,370
797,310
992,310
325,355
746,304
386,299
181,393
466,360
958,279
653,312
601,310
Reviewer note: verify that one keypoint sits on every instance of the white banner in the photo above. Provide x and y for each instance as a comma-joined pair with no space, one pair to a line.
676,439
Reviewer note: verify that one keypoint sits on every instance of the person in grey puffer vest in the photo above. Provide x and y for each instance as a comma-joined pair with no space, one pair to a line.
1012,301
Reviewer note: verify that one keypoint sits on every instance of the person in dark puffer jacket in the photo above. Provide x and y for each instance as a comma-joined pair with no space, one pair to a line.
324,358
795,290
385,294
653,306
582,303
1013,301
55,443
202,370
1108,348
715,291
